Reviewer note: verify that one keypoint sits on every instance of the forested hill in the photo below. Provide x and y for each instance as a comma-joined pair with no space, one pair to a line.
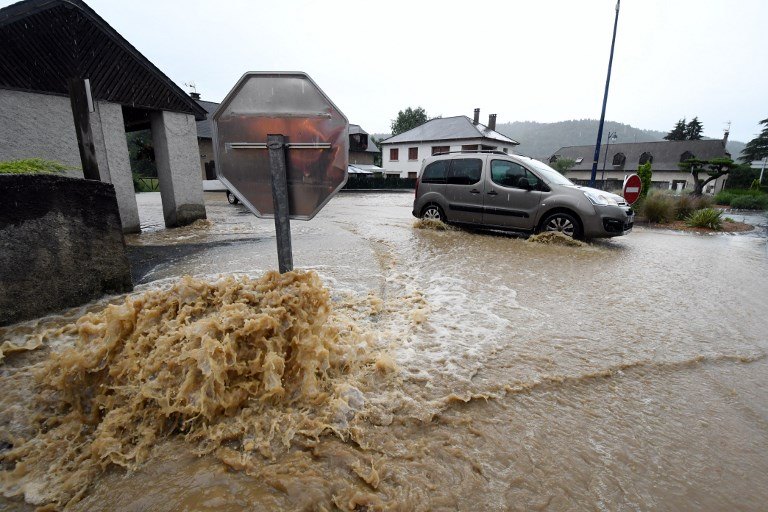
541,140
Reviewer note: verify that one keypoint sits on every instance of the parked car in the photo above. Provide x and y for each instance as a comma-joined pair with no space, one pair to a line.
511,192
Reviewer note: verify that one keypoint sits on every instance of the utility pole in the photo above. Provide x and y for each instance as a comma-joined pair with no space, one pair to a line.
605,101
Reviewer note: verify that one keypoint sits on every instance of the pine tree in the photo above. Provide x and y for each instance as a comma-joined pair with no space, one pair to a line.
757,148
678,132
693,129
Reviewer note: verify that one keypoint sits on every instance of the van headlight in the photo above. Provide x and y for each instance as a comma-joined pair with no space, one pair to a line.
600,199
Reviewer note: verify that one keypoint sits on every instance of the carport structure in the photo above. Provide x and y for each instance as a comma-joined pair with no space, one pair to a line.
71,87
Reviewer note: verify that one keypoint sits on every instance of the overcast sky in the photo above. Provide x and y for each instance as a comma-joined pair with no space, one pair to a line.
536,60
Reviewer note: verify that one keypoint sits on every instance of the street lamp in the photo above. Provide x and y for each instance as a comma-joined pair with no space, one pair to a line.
605,100
611,137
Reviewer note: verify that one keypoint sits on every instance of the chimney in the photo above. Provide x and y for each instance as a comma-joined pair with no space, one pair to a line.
492,121
477,116
195,95
725,137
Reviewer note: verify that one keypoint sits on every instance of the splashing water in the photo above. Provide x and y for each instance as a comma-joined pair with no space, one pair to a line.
238,367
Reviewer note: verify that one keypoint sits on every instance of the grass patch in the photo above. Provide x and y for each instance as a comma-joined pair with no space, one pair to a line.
33,166
706,218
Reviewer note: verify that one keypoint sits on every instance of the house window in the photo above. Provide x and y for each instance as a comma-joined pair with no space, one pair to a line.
619,159
687,156
488,148
440,149
469,147
413,153
393,154
646,158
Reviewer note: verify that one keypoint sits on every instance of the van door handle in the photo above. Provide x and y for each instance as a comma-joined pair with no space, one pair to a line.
493,193
474,191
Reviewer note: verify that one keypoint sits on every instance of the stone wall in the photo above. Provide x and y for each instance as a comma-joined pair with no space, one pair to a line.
61,245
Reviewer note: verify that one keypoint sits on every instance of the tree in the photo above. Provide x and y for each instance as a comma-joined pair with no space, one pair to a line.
408,119
712,169
678,132
686,131
563,165
141,153
742,177
693,129
757,148
645,174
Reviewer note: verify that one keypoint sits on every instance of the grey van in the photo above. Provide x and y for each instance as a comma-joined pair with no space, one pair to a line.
500,191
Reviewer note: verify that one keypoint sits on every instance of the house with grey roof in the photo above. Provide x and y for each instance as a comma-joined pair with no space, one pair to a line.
619,160
362,152
403,154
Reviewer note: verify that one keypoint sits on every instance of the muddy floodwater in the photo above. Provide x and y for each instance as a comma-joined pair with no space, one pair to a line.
400,369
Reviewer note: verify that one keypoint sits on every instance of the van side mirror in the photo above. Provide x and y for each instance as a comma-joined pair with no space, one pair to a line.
524,184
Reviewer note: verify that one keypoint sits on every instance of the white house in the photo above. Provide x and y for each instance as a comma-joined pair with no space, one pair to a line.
403,154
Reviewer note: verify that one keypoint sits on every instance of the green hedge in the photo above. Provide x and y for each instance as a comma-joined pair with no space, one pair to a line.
750,202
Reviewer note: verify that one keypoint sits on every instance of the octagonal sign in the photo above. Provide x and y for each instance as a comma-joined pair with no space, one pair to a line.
316,137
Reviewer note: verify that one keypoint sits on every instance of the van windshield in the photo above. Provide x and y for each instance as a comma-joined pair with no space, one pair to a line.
548,174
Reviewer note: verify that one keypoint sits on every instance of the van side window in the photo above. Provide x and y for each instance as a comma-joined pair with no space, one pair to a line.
436,172
508,174
465,171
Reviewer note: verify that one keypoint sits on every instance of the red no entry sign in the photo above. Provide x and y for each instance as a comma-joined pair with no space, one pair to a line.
632,187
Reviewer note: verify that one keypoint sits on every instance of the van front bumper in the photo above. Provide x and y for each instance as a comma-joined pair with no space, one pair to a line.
610,221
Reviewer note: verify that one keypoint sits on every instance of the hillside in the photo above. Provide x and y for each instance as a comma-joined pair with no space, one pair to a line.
541,140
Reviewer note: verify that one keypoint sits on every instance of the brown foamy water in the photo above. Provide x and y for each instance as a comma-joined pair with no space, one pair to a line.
472,372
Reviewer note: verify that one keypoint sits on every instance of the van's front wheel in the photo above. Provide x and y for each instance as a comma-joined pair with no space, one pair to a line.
564,223
434,212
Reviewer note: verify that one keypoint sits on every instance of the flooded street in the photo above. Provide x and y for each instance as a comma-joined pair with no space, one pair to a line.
468,371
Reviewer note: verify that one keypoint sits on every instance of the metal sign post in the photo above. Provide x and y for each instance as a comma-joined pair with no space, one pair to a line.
276,145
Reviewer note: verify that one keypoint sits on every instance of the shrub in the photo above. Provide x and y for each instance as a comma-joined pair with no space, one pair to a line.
750,202
32,166
658,208
702,202
645,174
724,197
706,218
685,206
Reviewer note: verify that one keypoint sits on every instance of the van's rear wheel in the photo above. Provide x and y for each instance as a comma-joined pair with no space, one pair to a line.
433,211
564,223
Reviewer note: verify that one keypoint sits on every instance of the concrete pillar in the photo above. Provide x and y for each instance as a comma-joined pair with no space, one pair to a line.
178,167
108,128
